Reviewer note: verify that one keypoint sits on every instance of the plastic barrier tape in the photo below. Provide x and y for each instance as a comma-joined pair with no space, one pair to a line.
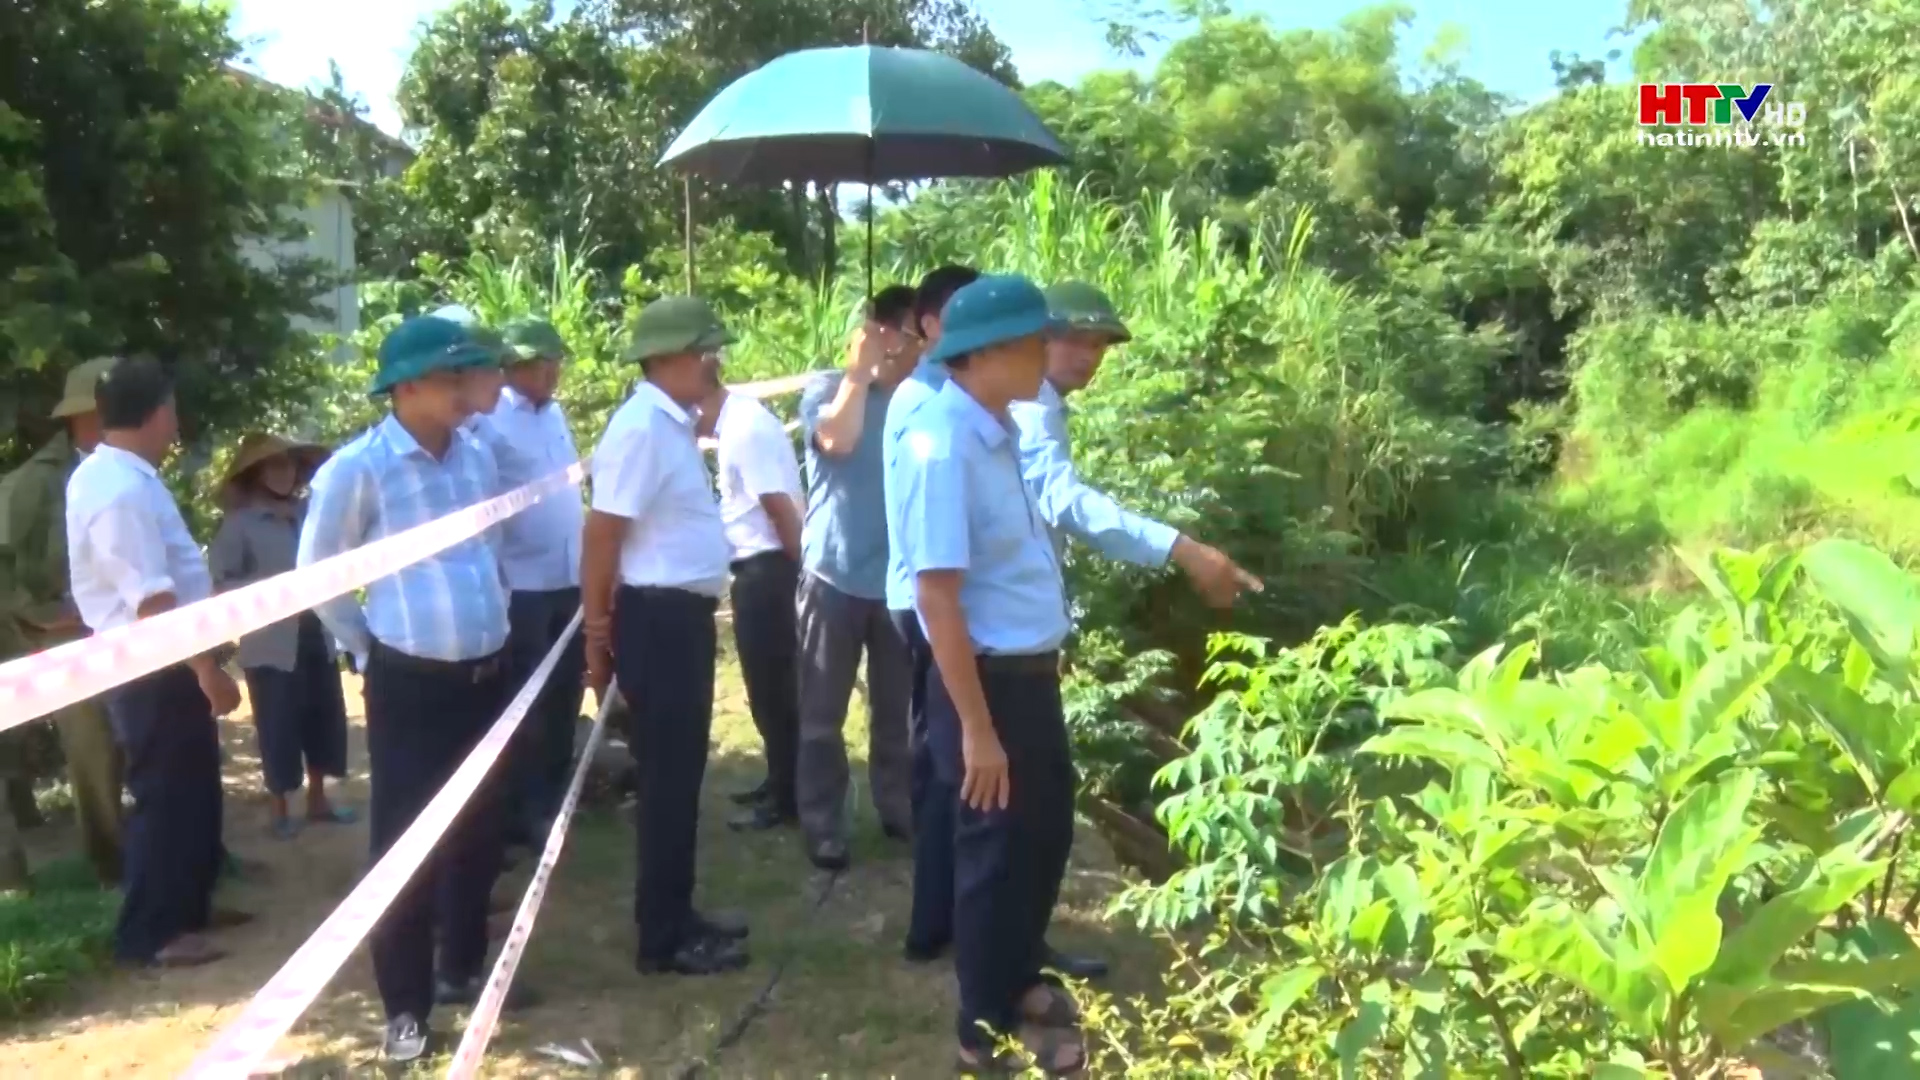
33,686
486,1012
36,685
251,1036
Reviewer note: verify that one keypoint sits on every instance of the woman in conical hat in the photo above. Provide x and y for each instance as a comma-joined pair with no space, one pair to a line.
293,681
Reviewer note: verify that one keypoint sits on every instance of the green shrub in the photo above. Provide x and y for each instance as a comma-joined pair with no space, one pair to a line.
52,936
1647,870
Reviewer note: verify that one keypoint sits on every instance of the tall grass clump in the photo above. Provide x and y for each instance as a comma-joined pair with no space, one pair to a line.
1786,422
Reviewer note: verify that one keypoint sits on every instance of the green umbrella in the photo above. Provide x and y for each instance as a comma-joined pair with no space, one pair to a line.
862,114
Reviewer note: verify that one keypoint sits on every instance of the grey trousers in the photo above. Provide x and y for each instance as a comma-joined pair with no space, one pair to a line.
835,629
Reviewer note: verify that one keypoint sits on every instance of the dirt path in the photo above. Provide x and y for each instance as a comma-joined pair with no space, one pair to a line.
847,1004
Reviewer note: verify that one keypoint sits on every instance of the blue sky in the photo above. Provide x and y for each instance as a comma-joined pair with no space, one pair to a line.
1507,41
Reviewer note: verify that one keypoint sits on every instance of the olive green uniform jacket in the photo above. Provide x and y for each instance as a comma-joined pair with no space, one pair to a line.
34,591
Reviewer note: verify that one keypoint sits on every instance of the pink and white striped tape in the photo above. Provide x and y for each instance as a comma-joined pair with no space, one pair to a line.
486,1012
272,1012
33,686
36,685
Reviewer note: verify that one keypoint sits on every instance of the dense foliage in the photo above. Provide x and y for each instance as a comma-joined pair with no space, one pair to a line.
1460,376
140,181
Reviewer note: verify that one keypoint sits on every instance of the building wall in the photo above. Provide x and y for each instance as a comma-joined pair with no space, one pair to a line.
329,221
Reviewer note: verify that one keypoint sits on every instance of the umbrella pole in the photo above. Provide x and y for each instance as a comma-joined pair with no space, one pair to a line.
870,216
687,196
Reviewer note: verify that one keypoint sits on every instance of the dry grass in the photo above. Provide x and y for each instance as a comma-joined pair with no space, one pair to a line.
846,1005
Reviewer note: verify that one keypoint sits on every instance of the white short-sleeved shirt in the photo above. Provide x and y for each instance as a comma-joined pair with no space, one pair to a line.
126,540
648,469
756,459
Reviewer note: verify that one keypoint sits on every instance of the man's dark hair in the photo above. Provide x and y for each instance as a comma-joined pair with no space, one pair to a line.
893,306
130,393
937,288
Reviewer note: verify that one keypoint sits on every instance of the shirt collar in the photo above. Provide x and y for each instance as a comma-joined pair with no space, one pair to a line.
1051,397
658,398
114,453
990,428
403,442
521,401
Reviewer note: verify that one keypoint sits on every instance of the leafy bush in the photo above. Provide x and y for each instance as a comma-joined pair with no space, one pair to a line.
1658,867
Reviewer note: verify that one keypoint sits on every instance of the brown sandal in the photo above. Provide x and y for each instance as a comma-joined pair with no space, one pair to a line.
1058,1012
1045,1045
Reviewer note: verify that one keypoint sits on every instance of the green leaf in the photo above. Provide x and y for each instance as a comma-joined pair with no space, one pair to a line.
1453,749
1357,1035
1877,598
1699,846
1867,732
1720,692
1568,945
1401,883
1279,994
1688,943
1737,1016
1751,952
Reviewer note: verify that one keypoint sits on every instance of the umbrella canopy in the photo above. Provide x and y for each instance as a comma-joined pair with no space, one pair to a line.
863,114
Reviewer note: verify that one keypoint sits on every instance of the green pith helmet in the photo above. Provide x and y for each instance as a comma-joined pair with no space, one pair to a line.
77,397
533,339
491,340
674,324
1084,307
423,345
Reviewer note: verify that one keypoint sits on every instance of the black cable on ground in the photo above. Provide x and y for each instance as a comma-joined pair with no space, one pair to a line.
756,1005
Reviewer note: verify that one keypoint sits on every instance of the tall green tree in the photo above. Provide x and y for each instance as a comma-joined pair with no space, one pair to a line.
139,179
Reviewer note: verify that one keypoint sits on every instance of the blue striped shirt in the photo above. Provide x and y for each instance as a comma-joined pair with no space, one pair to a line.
448,606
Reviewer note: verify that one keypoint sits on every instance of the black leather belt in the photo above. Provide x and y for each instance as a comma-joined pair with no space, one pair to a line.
1046,663
476,671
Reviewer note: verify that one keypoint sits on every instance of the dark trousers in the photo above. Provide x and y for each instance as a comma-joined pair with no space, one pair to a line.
543,748
300,716
767,637
423,718
1008,864
930,927
663,654
171,744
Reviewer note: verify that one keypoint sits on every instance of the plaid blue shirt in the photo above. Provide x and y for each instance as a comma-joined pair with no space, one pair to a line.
449,606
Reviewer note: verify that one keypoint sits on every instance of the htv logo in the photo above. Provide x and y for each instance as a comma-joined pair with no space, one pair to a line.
1687,103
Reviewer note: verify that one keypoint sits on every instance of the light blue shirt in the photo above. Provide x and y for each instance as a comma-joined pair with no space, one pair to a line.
1067,502
956,501
843,540
448,606
914,391
539,546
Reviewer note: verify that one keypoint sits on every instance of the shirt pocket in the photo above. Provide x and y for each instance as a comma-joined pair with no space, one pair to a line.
999,526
